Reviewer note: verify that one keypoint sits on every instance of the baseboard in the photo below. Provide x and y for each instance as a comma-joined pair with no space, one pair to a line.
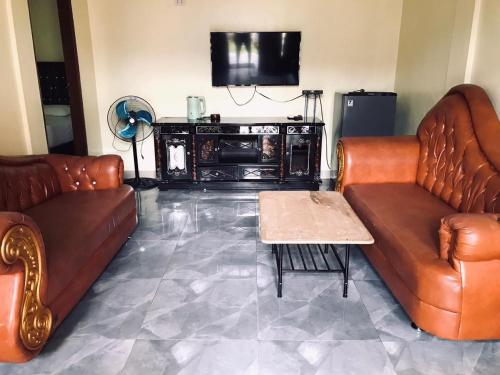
328,174
131,174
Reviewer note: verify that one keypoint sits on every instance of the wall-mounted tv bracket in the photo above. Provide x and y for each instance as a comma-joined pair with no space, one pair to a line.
314,94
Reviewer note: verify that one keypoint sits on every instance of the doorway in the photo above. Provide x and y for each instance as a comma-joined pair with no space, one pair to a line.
58,72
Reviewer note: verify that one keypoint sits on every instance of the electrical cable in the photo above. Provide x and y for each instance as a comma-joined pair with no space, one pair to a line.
278,101
142,142
255,91
326,135
245,103
115,137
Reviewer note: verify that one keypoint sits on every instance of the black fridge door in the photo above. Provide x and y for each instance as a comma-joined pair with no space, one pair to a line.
368,114
300,156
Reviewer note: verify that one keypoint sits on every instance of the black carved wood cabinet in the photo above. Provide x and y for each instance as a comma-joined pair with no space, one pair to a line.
247,153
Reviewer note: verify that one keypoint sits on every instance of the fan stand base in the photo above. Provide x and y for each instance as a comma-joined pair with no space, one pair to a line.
142,183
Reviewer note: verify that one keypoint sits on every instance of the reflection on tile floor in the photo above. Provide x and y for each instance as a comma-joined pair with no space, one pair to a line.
194,292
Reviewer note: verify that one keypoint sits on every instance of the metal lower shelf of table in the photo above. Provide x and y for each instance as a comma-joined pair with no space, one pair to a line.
307,258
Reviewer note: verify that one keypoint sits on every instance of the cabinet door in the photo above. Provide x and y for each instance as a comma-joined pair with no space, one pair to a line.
269,148
177,156
300,156
208,148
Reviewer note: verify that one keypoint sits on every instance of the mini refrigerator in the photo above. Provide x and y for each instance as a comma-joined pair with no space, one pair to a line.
367,113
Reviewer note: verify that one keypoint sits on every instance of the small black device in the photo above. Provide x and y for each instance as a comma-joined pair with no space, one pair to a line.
255,58
312,92
296,118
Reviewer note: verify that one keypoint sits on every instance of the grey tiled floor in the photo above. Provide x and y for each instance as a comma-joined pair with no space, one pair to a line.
194,292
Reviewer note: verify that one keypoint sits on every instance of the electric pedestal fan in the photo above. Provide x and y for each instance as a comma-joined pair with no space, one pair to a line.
130,119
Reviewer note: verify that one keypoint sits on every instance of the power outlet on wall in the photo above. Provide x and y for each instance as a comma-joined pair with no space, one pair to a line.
180,2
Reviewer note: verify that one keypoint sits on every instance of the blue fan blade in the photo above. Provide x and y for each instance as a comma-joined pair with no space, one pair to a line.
121,110
128,132
144,116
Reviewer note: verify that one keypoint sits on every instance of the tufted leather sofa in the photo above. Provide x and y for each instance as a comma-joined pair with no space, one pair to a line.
432,203
62,219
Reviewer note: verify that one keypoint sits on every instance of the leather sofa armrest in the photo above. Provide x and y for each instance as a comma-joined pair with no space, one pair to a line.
470,237
86,173
25,321
375,160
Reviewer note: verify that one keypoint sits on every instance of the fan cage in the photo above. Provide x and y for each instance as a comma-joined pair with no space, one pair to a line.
134,103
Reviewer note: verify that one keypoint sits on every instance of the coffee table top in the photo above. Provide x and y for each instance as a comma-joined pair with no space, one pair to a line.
309,217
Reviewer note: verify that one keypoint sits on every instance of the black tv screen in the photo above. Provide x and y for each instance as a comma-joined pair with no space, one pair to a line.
255,58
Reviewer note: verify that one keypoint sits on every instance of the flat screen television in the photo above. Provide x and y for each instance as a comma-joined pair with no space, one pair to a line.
255,58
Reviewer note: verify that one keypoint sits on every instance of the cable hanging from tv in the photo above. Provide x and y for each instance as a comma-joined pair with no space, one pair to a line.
255,91
244,103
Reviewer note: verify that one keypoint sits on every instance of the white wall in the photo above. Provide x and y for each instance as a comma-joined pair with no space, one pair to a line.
22,127
485,69
433,52
87,76
162,52
13,139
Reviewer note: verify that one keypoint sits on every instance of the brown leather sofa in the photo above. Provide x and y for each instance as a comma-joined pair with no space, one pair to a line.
432,203
62,219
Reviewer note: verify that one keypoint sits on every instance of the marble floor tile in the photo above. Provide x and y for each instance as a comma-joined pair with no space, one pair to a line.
226,260
323,358
226,233
488,362
359,266
262,246
112,308
176,195
208,216
386,313
203,308
76,356
164,221
313,309
441,357
193,357
226,196
193,244
165,225
169,211
141,260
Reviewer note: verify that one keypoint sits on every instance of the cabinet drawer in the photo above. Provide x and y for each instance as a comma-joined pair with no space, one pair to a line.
223,173
259,173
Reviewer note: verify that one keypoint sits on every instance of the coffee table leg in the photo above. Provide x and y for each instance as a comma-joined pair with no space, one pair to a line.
346,266
280,270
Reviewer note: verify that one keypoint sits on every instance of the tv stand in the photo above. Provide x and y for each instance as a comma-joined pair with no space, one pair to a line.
238,153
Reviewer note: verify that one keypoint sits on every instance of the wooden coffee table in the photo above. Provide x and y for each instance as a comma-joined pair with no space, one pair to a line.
309,224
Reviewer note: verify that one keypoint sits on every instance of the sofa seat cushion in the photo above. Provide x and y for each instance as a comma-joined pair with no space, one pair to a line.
404,219
74,225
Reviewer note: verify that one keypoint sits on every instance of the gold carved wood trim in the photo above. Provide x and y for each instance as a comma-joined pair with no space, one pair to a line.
341,161
20,244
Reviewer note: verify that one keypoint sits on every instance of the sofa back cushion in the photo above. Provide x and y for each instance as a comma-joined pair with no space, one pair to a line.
26,182
459,158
